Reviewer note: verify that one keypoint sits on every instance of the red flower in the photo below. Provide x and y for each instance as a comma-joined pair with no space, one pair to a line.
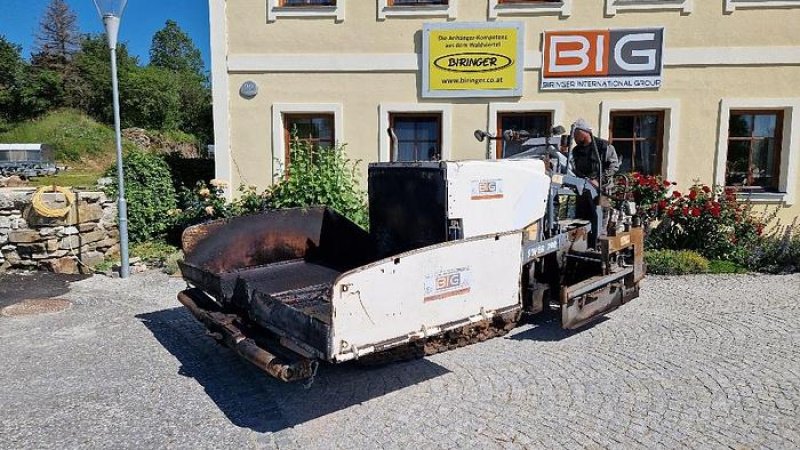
670,212
695,212
715,212
676,194
667,183
662,204
706,189
692,195
685,211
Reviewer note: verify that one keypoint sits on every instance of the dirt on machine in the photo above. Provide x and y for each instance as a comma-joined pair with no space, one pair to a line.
457,252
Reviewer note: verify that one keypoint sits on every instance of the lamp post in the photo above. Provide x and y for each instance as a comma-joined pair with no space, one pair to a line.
111,13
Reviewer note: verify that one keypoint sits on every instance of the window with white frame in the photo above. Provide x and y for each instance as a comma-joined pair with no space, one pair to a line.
614,6
414,131
758,150
647,132
499,8
416,8
732,5
316,124
305,8
537,118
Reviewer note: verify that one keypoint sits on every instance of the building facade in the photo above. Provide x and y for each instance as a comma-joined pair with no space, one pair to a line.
723,107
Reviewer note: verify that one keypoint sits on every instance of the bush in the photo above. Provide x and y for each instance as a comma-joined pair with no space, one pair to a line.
778,251
675,262
321,176
719,267
149,193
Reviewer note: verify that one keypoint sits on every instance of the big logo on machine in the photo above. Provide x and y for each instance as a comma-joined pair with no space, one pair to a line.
603,59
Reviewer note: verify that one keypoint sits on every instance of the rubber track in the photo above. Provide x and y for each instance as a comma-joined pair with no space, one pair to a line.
460,337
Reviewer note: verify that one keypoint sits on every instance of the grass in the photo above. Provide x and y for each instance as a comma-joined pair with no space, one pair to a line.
78,140
720,267
85,178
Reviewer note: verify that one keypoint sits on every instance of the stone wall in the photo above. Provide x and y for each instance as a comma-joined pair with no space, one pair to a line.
72,244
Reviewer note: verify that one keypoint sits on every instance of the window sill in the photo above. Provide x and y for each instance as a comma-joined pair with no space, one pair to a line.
733,5
563,8
274,12
762,197
614,6
384,11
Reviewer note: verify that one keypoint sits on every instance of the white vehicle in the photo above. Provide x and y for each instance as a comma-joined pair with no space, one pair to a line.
456,252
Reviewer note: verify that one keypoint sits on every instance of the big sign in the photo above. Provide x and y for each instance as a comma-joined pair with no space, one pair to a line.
603,59
472,59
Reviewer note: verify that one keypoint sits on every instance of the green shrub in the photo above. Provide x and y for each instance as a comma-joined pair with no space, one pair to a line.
778,251
719,266
675,262
320,176
149,193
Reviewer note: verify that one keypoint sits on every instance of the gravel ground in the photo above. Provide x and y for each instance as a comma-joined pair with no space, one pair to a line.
700,361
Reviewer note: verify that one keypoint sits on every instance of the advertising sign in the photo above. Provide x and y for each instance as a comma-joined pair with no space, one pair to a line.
447,284
472,59
603,59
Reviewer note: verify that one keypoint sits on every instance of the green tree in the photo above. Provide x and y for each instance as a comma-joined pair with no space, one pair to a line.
173,49
12,73
93,66
150,98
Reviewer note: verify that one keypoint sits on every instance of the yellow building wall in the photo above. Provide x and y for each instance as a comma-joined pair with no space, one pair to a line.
698,89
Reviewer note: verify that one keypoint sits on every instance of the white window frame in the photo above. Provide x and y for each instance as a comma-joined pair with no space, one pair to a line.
496,9
278,141
790,145
386,109
733,5
384,10
613,6
672,121
555,108
275,10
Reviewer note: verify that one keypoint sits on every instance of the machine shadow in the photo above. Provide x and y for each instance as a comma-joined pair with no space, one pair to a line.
252,399
546,327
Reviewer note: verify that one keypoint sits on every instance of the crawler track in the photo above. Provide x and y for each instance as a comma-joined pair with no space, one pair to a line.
460,337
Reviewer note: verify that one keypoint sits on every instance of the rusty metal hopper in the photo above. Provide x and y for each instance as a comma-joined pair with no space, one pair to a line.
249,247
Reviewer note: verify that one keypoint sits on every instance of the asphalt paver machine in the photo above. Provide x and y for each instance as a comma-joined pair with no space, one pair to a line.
456,253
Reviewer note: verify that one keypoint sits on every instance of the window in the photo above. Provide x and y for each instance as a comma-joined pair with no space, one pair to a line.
732,5
535,123
529,7
315,129
305,8
290,3
319,124
754,149
638,138
613,6
419,136
416,8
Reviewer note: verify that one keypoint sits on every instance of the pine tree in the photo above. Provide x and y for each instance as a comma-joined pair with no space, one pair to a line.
58,38
173,49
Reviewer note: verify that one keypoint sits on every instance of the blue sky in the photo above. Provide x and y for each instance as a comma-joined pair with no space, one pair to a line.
19,22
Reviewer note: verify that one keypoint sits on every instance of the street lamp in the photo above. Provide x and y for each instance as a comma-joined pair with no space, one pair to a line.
111,13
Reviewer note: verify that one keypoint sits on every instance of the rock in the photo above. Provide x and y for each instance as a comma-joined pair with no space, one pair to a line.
70,242
51,245
5,222
107,243
86,227
12,257
105,181
94,236
69,231
91,197
23,236
62,265
89,212
113,250
50,231
92,259
15,181
3,239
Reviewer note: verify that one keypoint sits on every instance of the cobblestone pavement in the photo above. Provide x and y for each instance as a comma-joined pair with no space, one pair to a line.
702,362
